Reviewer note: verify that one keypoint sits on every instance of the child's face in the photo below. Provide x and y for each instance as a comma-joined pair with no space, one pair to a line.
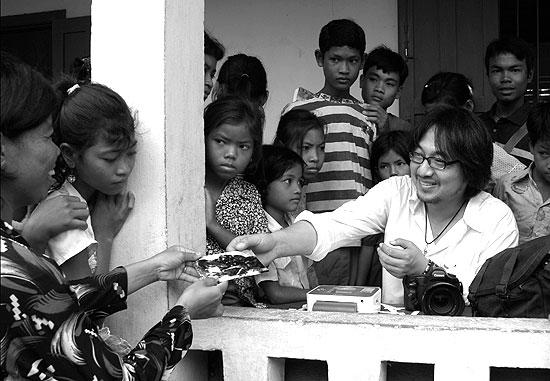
228,150
341,65
284,193
379,88
541,158
104,167
391,164
209,73
508,77
312,152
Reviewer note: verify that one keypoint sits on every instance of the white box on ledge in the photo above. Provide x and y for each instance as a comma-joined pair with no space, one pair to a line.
359,299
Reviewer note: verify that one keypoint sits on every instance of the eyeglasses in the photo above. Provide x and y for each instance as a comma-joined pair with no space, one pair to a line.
434,162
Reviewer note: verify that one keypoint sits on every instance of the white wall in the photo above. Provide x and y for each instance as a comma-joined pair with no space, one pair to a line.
75,8
284,34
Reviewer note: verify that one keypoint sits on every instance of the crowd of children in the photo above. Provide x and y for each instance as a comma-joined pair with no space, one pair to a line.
329,148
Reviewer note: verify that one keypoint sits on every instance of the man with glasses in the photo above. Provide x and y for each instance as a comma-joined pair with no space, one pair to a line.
438,216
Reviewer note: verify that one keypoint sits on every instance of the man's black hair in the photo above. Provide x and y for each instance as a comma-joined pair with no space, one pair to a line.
513,45
213,47
342,32
388,61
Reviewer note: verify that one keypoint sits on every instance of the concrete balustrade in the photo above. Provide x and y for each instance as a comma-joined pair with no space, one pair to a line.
255,343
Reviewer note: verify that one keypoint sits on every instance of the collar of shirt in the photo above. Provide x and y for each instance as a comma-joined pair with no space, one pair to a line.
518,117
471,214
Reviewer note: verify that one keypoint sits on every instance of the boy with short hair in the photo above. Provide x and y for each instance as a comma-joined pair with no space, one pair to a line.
509,67
213,52
384,74
345,174
527,193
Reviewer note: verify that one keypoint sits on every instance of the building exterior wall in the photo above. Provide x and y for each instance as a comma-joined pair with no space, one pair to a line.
284,34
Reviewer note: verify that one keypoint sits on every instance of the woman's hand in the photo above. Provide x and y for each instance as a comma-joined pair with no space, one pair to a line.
203,298
54,216
402,258
110,212
174,263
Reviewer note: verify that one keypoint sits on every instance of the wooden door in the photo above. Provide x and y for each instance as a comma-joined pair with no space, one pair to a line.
445,35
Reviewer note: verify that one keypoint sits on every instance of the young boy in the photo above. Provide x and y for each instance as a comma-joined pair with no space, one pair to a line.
384,74
528,193
509,66
213,52
345,174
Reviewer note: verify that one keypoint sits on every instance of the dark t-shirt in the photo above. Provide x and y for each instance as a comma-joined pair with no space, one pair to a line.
502,130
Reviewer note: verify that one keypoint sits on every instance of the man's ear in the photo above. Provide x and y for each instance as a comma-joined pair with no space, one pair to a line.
319,57
469,105
69,154
398,93
530,77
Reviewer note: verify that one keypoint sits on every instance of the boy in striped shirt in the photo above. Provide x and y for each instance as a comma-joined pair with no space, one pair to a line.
346,173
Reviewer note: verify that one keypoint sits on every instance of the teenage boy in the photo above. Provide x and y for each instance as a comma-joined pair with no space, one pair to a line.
213,52
527,193
345,174
384,74
509,66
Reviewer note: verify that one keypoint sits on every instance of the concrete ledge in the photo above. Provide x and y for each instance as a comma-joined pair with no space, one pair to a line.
356,346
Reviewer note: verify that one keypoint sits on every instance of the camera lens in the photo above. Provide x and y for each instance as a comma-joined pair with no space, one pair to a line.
442,299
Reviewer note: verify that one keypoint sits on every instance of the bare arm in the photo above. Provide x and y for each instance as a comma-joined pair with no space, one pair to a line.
298,239
278,294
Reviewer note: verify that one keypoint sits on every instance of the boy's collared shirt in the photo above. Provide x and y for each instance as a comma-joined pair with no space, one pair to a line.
520,192
502,130
395,123
288,271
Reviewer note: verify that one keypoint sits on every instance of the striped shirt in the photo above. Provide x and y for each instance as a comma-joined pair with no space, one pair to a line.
346,172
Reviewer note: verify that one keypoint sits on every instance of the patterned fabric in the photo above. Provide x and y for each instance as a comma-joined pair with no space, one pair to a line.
239,210
520,192
503,129
49,330
346,172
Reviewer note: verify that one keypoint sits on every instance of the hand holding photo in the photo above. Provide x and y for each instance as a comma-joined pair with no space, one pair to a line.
230,265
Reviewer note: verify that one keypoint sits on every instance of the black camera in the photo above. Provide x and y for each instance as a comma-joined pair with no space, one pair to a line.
434,293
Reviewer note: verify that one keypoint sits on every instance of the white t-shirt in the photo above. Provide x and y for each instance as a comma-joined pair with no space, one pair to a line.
393,208
66,245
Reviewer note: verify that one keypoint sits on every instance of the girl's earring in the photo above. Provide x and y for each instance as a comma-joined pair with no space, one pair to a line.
71,178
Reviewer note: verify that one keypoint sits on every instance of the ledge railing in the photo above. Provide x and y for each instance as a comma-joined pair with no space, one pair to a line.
255,344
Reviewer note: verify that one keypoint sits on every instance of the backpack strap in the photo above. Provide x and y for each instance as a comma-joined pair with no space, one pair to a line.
515,139
500,288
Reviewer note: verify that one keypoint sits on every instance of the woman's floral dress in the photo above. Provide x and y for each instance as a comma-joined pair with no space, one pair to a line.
48,325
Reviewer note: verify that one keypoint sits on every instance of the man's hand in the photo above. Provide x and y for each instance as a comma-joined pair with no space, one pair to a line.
402,258
262,245
54,216
376,114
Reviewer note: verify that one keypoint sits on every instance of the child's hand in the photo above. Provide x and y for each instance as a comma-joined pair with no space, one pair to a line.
110,213
376,114
54,216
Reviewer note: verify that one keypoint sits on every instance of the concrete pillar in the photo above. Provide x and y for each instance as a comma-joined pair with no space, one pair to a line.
151,52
